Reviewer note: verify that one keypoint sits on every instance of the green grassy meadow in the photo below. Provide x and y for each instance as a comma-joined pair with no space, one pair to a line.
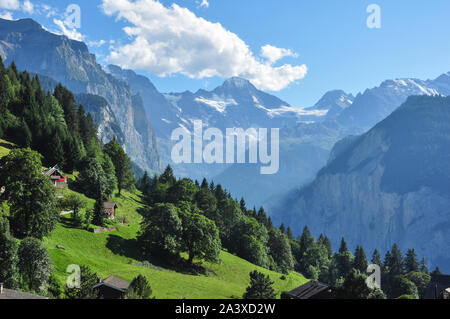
114,254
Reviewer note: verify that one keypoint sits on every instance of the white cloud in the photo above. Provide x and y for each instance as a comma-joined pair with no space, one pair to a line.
9,4
204,3
96,44
49,11
169,40
14,5
70,33
6,15
273,54
28,7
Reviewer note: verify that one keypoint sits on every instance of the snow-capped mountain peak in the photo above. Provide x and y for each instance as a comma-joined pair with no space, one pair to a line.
238,83
409,87
335,98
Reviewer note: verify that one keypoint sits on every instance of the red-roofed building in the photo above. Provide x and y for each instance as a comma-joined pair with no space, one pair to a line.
56,176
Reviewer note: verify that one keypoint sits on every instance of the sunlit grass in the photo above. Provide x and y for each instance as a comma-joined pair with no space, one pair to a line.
114,254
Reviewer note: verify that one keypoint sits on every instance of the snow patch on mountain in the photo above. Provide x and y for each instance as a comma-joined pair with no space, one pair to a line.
217,103
412,86
293,111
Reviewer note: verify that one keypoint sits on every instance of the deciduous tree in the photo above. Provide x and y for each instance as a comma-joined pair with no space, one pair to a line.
30,194
35,266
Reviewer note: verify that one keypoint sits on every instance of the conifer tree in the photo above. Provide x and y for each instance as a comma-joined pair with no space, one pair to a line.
139,288
423,266
99,211
411,263
168,176
376,258
396,262
344,260
145,184
243,205
204,184
260,287
306,241
327,244
289,233
343,248
122,165
360,263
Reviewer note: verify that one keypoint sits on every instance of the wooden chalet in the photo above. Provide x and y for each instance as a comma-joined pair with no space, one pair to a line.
112,288
439,287
110,209
311,290
56,176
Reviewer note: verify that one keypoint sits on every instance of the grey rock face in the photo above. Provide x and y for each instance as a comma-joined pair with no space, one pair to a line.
390,185
69,62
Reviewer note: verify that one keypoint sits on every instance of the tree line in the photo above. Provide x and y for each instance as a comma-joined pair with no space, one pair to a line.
224,222
183,215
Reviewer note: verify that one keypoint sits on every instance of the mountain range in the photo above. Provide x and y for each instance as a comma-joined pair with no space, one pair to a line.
305,146
346,163
391,184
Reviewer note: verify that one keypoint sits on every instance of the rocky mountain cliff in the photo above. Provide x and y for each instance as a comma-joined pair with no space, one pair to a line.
391,184
160,112
67,61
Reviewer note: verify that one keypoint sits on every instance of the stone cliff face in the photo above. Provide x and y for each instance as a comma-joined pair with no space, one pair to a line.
357,196
160,112
355,207
69,62
103,115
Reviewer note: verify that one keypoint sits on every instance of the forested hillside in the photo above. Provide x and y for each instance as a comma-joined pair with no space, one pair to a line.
51,129
171,237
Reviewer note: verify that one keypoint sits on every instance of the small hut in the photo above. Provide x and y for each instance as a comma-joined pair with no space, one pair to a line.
56,176
112,288
110,209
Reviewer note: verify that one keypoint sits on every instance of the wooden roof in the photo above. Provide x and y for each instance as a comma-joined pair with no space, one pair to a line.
308,290
51,171
108,205
114,283
16,294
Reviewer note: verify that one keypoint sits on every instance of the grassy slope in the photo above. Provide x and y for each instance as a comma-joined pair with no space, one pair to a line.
113,254
5,147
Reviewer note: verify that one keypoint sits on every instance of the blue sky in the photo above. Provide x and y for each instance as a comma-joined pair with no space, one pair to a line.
328,38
